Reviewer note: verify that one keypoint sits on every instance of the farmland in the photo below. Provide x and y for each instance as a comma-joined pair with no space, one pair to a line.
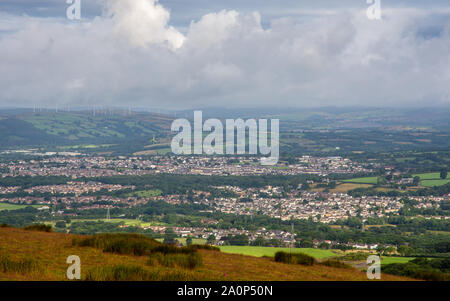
365,180
270,251
427,180
432,179
7,206
389,260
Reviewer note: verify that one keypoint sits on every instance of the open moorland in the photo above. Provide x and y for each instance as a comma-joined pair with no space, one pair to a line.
35,255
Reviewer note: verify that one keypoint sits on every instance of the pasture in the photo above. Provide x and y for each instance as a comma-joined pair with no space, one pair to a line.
270,251
365,180
431,179
7,206
389,260
428,176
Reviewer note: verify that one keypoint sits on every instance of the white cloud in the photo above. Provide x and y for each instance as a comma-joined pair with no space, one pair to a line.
143,22
132,56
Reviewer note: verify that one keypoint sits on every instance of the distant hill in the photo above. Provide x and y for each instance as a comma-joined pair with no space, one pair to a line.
328,131
33,255
28,129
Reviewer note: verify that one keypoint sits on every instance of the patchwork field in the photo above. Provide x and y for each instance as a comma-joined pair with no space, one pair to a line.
432,179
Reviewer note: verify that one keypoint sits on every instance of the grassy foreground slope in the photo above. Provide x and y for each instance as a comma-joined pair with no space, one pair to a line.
50,251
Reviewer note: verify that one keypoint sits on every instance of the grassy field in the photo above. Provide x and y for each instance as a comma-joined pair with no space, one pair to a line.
389,260
428,176
365,180
145,193
349,186
269,251
6,206
431,179
49,252
431,183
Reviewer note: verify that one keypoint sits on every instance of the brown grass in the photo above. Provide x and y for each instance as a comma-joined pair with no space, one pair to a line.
50,251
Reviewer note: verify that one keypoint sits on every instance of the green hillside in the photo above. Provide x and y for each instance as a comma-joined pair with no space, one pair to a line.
77,128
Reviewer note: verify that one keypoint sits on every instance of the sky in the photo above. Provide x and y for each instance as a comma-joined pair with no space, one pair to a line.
182,54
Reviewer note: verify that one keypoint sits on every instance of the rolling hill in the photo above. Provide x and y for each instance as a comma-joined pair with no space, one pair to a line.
35,255
36,129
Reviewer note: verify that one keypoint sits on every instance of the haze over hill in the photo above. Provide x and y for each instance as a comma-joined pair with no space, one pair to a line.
319,129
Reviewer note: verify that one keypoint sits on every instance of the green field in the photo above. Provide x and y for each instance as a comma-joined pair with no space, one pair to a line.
6,206
269,251
365,180
431,183
389,260
428,176
431,179
145,193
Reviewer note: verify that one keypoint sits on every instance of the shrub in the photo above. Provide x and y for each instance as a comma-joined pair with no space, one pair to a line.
39,227
171,249
296,258
135,273
132,244
139,245
187,261
356,256
203,247
22,266
336,264
417,271
5,226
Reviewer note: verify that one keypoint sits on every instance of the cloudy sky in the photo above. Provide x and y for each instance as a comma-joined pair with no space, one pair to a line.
179,54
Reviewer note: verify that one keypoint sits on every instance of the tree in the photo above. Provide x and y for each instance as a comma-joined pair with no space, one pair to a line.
259,241
189,240
405,250
389,250
416,181
238,240
381,181
170,237
380,249
60,224
443,174
211,239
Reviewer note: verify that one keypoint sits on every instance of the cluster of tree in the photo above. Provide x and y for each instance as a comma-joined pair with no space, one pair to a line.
435,191
97,227
236,240
29,181
421,268
21,217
